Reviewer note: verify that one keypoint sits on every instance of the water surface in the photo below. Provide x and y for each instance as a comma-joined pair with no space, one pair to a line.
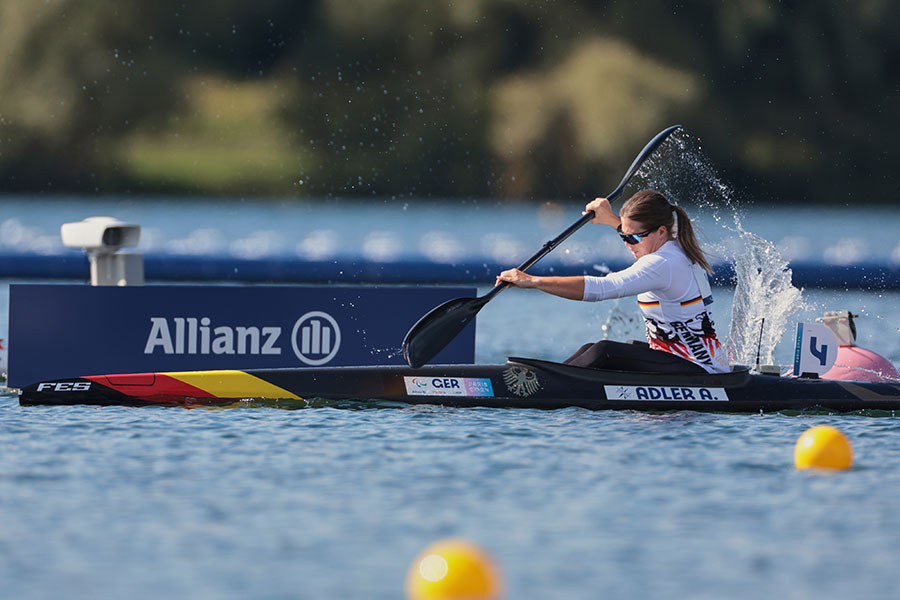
335,503
331,503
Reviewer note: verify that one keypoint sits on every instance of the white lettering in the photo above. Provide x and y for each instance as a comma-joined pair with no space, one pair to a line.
202,338
243,333
272,334
65,386
224,341
159,336
179,335
204,335
192,335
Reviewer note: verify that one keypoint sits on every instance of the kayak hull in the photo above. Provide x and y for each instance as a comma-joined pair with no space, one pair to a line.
520,383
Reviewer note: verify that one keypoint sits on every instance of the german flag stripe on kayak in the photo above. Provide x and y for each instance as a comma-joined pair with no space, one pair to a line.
197,384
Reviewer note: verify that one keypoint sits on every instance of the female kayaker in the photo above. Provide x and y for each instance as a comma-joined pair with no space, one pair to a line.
669,278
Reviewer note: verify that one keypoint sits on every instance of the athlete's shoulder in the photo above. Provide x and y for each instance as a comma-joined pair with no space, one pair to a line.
651,261
672,251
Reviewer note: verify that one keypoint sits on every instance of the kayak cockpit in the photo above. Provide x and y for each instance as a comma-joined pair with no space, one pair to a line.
738,375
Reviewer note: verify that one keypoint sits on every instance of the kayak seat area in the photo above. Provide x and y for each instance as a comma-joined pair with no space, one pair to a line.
631,357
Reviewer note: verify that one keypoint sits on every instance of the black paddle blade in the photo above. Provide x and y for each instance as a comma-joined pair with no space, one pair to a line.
438,328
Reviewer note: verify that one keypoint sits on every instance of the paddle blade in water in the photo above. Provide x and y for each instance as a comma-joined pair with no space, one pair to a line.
438,328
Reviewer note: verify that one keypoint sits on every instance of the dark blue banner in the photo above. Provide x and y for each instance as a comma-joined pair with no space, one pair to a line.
58,331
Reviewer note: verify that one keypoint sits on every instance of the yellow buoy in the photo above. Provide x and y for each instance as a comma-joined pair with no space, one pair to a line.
823,447
453,569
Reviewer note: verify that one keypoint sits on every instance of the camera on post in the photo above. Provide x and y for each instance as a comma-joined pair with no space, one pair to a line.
100,233
102,238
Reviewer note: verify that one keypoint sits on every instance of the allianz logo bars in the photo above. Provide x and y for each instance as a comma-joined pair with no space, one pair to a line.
320,338
67,331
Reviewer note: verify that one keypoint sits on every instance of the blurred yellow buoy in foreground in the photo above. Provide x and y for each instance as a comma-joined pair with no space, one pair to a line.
823,447
453,569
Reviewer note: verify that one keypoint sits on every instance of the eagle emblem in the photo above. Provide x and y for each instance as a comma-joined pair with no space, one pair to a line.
521,381
622,393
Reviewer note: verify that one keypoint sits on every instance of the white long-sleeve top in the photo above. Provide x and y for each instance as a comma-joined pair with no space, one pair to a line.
672,294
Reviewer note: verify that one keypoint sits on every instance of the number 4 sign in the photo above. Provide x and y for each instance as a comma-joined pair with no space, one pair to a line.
816,349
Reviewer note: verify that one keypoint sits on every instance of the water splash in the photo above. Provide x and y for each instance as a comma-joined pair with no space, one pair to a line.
764,297
622,324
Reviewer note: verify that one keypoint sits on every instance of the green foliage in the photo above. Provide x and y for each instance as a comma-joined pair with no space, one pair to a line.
513,98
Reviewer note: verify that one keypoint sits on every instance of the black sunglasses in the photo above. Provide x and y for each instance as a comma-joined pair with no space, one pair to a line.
634,238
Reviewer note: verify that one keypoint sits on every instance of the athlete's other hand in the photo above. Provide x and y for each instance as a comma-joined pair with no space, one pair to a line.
603,212
517,278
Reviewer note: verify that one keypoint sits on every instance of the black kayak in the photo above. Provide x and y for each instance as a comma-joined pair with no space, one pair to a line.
520,383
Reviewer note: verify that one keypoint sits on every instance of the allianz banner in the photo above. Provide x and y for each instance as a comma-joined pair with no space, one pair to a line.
58,331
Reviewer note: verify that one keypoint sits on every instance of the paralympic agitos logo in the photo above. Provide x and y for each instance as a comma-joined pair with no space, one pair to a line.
315,338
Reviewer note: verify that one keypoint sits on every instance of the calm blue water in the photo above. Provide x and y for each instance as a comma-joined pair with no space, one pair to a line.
329,503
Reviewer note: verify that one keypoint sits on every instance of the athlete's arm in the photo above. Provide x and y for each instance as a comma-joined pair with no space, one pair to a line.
564,287
649,273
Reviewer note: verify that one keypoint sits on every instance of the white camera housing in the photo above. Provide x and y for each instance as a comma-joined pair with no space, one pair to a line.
100,233
101,238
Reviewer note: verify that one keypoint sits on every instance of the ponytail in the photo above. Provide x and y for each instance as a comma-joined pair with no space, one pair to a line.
688,240
650,208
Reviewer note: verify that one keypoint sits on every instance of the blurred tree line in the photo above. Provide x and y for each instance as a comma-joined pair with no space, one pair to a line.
510,98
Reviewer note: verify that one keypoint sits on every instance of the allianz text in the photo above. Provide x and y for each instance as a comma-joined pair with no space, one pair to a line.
192,335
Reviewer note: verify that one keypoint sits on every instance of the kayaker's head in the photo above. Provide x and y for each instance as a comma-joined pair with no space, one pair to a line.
650,218
647,222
